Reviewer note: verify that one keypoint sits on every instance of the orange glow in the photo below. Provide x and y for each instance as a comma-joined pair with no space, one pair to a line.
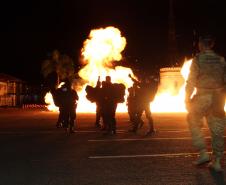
166,100
100,51
50,104
49,100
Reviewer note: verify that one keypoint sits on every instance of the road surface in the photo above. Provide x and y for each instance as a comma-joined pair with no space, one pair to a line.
34,152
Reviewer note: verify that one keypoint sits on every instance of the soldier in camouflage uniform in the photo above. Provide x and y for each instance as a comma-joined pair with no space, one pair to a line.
207,75
145,91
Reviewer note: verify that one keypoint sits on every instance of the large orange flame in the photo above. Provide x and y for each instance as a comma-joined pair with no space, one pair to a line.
101,50
166,99
49,100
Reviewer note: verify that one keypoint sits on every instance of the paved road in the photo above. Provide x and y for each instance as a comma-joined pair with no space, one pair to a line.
34,152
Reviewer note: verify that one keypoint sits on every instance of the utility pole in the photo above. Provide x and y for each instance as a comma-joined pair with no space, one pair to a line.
172,44
194,43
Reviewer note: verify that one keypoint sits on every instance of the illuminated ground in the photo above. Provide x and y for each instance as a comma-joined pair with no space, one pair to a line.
34,152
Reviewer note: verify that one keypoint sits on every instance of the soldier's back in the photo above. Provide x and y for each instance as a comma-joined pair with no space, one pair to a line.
211,70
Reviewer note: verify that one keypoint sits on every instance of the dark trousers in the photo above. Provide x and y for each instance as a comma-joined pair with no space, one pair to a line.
60,117
146,109
68,116
98,114
109,117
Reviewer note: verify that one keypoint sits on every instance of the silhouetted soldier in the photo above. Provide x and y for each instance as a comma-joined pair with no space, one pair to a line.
98,105
68,106
145,95
132,102
57,101
109,105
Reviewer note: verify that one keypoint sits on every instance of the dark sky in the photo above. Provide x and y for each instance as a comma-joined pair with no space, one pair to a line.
32,29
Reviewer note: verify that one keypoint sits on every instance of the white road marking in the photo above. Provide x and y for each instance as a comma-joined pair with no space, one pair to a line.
179,130
147,155
126,131
144,139
85,131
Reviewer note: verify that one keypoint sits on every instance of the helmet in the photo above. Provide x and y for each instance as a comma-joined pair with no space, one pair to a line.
207,40
108,79
67,84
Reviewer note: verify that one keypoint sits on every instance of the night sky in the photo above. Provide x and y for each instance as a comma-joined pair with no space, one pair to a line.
30,30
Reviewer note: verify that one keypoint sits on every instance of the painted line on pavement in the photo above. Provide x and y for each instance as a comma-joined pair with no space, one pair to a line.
51,131
178,130
85,131
144,139
126,131
147,155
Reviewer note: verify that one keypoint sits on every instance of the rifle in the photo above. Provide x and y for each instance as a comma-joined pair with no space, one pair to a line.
136,82
98,82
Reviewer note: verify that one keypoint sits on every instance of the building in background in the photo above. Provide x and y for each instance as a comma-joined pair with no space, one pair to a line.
11,90
171,80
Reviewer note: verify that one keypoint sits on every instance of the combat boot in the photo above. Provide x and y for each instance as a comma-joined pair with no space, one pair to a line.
216,165
72,130
150,132
141,124
66,130
59,125
202,159
113,132
134,130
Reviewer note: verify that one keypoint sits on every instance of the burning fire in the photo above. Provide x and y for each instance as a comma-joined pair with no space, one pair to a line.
166,100
100,52
49,100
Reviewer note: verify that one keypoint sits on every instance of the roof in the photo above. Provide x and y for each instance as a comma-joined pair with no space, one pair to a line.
5,78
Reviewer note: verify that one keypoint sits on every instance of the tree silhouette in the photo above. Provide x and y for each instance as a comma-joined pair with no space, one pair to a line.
57,68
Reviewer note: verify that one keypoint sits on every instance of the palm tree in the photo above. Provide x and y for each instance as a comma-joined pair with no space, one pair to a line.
57,68
65,68
48,70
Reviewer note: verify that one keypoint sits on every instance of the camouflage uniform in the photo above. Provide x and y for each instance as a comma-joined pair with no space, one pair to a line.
207,75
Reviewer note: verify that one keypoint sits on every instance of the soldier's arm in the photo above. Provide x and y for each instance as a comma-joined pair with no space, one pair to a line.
134,80
76,96
192,80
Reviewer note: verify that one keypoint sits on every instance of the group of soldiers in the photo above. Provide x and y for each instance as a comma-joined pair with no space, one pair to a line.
207,76
138,101
107,95
107,98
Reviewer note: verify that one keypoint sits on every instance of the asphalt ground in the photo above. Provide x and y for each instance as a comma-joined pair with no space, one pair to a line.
34,152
